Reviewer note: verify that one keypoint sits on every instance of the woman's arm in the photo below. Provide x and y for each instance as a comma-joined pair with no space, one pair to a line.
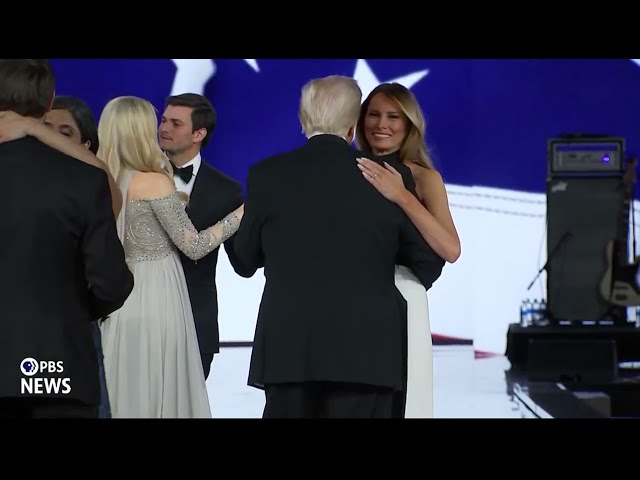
432,216
58,141
432,219
160,193
14,126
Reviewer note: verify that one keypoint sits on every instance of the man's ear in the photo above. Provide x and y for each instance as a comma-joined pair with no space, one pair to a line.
199,134
351,133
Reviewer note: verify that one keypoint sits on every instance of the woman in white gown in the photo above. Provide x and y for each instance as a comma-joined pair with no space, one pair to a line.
392,124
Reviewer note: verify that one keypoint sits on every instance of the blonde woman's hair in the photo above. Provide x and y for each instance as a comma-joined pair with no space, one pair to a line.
128,132
329,105
414,147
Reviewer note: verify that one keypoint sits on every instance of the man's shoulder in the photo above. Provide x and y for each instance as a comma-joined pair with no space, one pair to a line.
391,160
80,172
48,160
273,162
394,162
218,176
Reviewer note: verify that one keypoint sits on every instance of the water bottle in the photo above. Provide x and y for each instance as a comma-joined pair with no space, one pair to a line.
529,315
526,313
535,312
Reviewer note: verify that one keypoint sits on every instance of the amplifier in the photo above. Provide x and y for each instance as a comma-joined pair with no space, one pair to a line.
585,155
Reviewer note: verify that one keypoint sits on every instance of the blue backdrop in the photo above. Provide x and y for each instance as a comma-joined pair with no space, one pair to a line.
488,120
488,124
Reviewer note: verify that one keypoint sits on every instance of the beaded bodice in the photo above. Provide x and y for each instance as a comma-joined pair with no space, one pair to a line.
154,228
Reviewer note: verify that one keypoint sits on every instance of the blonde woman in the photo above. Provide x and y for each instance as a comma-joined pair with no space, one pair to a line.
151,354
152,359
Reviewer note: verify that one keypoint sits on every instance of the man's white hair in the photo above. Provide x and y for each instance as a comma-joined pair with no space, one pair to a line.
330,105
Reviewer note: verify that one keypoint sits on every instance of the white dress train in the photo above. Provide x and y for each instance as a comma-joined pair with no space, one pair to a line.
419,345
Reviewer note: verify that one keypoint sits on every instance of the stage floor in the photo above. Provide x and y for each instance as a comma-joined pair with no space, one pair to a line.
464,386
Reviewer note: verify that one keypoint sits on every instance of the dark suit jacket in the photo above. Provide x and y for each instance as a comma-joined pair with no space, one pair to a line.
329,243
213,197
62,266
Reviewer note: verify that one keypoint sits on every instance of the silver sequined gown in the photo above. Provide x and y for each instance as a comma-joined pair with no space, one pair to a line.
151,356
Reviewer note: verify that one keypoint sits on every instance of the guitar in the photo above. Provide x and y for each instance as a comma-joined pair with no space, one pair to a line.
619,285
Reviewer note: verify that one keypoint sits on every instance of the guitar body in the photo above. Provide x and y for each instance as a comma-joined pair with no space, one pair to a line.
619,285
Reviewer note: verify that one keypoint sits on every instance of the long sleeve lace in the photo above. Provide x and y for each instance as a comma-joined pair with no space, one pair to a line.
172,216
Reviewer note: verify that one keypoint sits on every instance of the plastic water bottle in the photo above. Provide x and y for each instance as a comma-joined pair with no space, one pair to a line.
535,312
525,313
529,315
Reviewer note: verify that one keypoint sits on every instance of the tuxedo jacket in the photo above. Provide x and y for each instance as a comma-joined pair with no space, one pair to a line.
329,243
213,197
63,267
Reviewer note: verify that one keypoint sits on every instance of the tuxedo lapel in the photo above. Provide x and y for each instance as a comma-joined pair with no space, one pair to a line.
196,206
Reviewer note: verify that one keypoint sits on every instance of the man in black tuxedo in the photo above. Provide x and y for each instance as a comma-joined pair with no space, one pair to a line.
331,331
186,127
63,265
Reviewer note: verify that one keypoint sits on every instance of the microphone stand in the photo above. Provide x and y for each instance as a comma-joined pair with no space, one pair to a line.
549,257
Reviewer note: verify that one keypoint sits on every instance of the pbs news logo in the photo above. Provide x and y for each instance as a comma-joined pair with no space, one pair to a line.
36,385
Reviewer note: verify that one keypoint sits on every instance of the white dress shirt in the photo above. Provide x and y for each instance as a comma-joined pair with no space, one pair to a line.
322,133
188,187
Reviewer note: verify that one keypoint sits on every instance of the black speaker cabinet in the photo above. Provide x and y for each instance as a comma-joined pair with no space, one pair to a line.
584,214
592,361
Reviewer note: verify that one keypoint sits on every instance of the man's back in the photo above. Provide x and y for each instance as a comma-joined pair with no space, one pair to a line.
328,216
330,244
63,265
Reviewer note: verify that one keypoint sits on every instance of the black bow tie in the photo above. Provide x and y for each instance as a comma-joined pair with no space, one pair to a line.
185,173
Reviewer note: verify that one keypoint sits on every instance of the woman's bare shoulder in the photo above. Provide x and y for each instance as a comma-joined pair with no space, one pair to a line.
149,186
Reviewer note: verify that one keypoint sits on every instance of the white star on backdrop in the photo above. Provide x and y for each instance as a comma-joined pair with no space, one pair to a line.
193,74
253,63
368,80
